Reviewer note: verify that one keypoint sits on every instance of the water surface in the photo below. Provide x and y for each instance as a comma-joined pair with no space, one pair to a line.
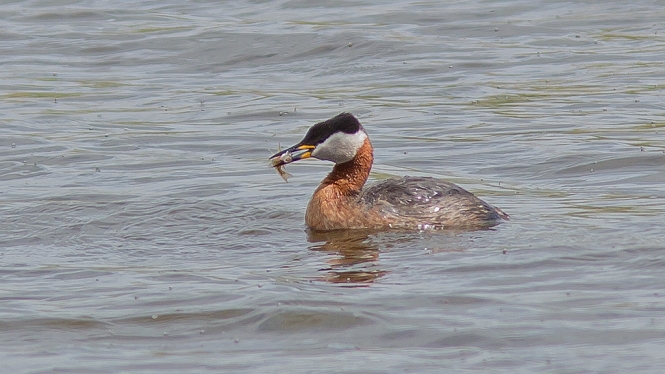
141,229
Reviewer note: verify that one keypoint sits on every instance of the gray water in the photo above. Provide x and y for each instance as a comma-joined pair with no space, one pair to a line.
141,229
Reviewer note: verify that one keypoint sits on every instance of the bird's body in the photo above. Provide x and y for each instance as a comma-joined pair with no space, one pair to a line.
340,202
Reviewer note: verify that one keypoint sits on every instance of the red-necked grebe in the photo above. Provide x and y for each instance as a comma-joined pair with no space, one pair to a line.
340,202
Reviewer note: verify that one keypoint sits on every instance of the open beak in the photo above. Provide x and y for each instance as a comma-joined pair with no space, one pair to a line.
292,154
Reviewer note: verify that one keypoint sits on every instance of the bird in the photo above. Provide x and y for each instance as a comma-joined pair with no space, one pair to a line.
413,203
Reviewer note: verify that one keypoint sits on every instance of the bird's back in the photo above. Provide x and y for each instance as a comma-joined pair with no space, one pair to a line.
424,202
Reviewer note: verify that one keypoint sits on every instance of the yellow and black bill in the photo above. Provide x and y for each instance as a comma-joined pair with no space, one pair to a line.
292,154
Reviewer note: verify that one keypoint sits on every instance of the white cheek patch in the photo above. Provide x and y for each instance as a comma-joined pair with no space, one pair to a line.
340,147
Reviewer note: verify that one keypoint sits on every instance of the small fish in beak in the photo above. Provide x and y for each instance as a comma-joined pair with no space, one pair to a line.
287,156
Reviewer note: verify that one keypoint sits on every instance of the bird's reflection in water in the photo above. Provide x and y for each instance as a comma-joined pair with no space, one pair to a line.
354,259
